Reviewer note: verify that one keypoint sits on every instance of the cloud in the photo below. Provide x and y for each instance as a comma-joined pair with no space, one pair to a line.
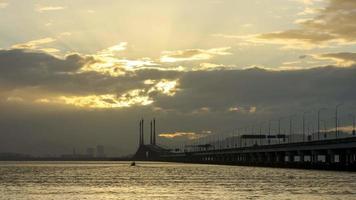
39,72
307,2
188,135
38,75
241,109
111,51
333,25
136,97
64,81
108,61
39,69
260,89
341,59
40,92
193,54
3,4
48,8
34,44
37,45
131,98
296,39
212,66
308,11
168,87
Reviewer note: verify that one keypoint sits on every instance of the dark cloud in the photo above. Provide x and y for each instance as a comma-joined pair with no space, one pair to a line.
20,61
30,69
303,56
262,88
204,101
23,68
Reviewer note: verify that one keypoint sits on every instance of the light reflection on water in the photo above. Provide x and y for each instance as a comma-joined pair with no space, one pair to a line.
117,180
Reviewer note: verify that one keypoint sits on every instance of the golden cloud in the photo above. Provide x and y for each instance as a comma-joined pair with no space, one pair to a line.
3,4
136,97
251,109
107,62
334,25
48,8
37,45
164,86
341,59
193,54
131,98
188,135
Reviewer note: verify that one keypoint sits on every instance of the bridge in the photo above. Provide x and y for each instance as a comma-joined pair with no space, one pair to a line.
338,153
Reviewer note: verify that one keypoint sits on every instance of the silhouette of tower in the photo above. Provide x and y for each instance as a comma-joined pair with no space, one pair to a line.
140,134
151,133
141,138
154,132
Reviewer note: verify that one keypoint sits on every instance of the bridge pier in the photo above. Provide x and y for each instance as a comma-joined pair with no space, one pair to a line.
314,156
330,157
301,156
256,157
307,156
345,157
280,157
290,156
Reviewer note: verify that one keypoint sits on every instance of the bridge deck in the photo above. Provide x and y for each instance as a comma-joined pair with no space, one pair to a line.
334,144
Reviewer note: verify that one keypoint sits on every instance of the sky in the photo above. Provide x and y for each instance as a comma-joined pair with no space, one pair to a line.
78,73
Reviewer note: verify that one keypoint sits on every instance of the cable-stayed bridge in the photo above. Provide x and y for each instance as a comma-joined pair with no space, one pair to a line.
276,150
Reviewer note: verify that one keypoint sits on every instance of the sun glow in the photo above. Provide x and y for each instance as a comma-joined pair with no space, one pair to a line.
167,87
107,61
190,135
133,97
136,97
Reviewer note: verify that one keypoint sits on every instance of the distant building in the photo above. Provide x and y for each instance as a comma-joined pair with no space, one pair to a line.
100,153
75,155
90,152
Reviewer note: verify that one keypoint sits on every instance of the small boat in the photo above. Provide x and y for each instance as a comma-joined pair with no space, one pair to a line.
133,164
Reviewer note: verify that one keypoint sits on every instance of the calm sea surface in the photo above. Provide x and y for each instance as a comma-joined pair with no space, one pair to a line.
117,180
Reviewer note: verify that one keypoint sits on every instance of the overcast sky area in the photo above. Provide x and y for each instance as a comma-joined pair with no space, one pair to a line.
77,73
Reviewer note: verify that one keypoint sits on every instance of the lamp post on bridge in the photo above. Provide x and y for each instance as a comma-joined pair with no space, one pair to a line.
260,137
304,113
353,123
269,132
324,125
239,137
279,131
253,133
319,121
233,139
337,119
291,127
246,133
